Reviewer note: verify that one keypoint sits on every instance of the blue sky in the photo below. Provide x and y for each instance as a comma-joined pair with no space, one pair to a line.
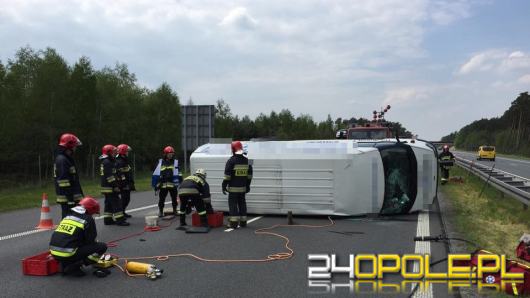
440,64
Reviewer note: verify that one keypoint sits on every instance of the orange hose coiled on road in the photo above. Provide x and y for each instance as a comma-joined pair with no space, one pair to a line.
263,231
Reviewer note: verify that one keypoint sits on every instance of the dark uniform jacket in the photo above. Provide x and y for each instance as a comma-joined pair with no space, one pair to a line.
124,172
238,174
109,178
446,156
75,230
194,185
67,186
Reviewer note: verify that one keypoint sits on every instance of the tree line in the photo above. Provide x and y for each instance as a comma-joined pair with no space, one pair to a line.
284,125
42,96
509,133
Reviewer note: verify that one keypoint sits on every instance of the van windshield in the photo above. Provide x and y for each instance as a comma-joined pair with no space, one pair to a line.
399,163
488,148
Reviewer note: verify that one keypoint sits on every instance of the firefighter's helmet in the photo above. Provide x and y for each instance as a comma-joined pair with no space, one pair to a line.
201,172
90,204
237,147
168,150
69,141
123,149
108,150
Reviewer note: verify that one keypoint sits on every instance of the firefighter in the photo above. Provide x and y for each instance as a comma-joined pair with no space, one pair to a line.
191,192
446,159
73,243
125,176
237,179
113,213
166,179
67,186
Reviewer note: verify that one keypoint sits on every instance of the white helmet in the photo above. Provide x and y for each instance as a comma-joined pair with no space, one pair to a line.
201,172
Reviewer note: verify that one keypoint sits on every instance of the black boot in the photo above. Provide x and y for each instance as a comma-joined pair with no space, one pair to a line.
243,223
122,223
74,269
127,215
161,213
183,225
204,221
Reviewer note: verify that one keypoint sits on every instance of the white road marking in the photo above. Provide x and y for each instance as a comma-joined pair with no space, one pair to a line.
97,218
249,221
422,248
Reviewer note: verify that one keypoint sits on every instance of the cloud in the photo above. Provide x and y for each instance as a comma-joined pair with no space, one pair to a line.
524,79
406,95
240,18
496,61
447,12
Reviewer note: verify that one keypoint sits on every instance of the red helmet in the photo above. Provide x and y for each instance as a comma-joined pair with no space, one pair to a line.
168,150
90,204
69,141
108,150
237,147
123,149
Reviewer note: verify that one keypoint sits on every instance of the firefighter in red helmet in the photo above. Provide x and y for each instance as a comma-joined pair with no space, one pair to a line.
73,243
113,213
125,176
237,179
67,186
166,179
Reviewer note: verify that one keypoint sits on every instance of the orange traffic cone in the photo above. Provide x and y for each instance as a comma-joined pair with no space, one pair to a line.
46,222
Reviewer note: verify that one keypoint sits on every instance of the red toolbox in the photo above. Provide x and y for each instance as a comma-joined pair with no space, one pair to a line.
41,264
214,220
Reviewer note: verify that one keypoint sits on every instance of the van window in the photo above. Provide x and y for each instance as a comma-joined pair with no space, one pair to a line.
488,148
400,166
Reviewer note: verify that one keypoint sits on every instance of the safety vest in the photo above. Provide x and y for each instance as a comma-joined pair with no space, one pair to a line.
75,230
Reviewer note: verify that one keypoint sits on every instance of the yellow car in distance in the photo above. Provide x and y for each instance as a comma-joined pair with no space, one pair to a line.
486,152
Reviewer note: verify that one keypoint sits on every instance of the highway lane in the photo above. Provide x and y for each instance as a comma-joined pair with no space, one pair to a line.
187,277
514,166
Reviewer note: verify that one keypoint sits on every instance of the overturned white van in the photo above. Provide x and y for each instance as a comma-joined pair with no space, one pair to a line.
329,177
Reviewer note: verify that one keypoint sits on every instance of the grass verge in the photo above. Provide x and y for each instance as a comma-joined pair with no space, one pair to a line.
20,197
492,221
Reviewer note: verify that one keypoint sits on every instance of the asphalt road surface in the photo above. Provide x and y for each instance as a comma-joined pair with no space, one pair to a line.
510,165
188,277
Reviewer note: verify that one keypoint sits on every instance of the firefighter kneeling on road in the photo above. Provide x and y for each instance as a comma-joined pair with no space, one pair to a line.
192,190
74,243
446,160
238,175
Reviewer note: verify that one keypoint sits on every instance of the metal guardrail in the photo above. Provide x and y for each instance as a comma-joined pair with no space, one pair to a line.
510,184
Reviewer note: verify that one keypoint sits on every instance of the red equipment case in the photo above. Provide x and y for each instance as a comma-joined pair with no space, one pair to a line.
214,220
41,264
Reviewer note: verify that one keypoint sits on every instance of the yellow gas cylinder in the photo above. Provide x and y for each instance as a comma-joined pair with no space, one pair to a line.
149,270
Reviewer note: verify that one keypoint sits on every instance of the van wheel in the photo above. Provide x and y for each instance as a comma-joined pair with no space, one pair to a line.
493,159
478,158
